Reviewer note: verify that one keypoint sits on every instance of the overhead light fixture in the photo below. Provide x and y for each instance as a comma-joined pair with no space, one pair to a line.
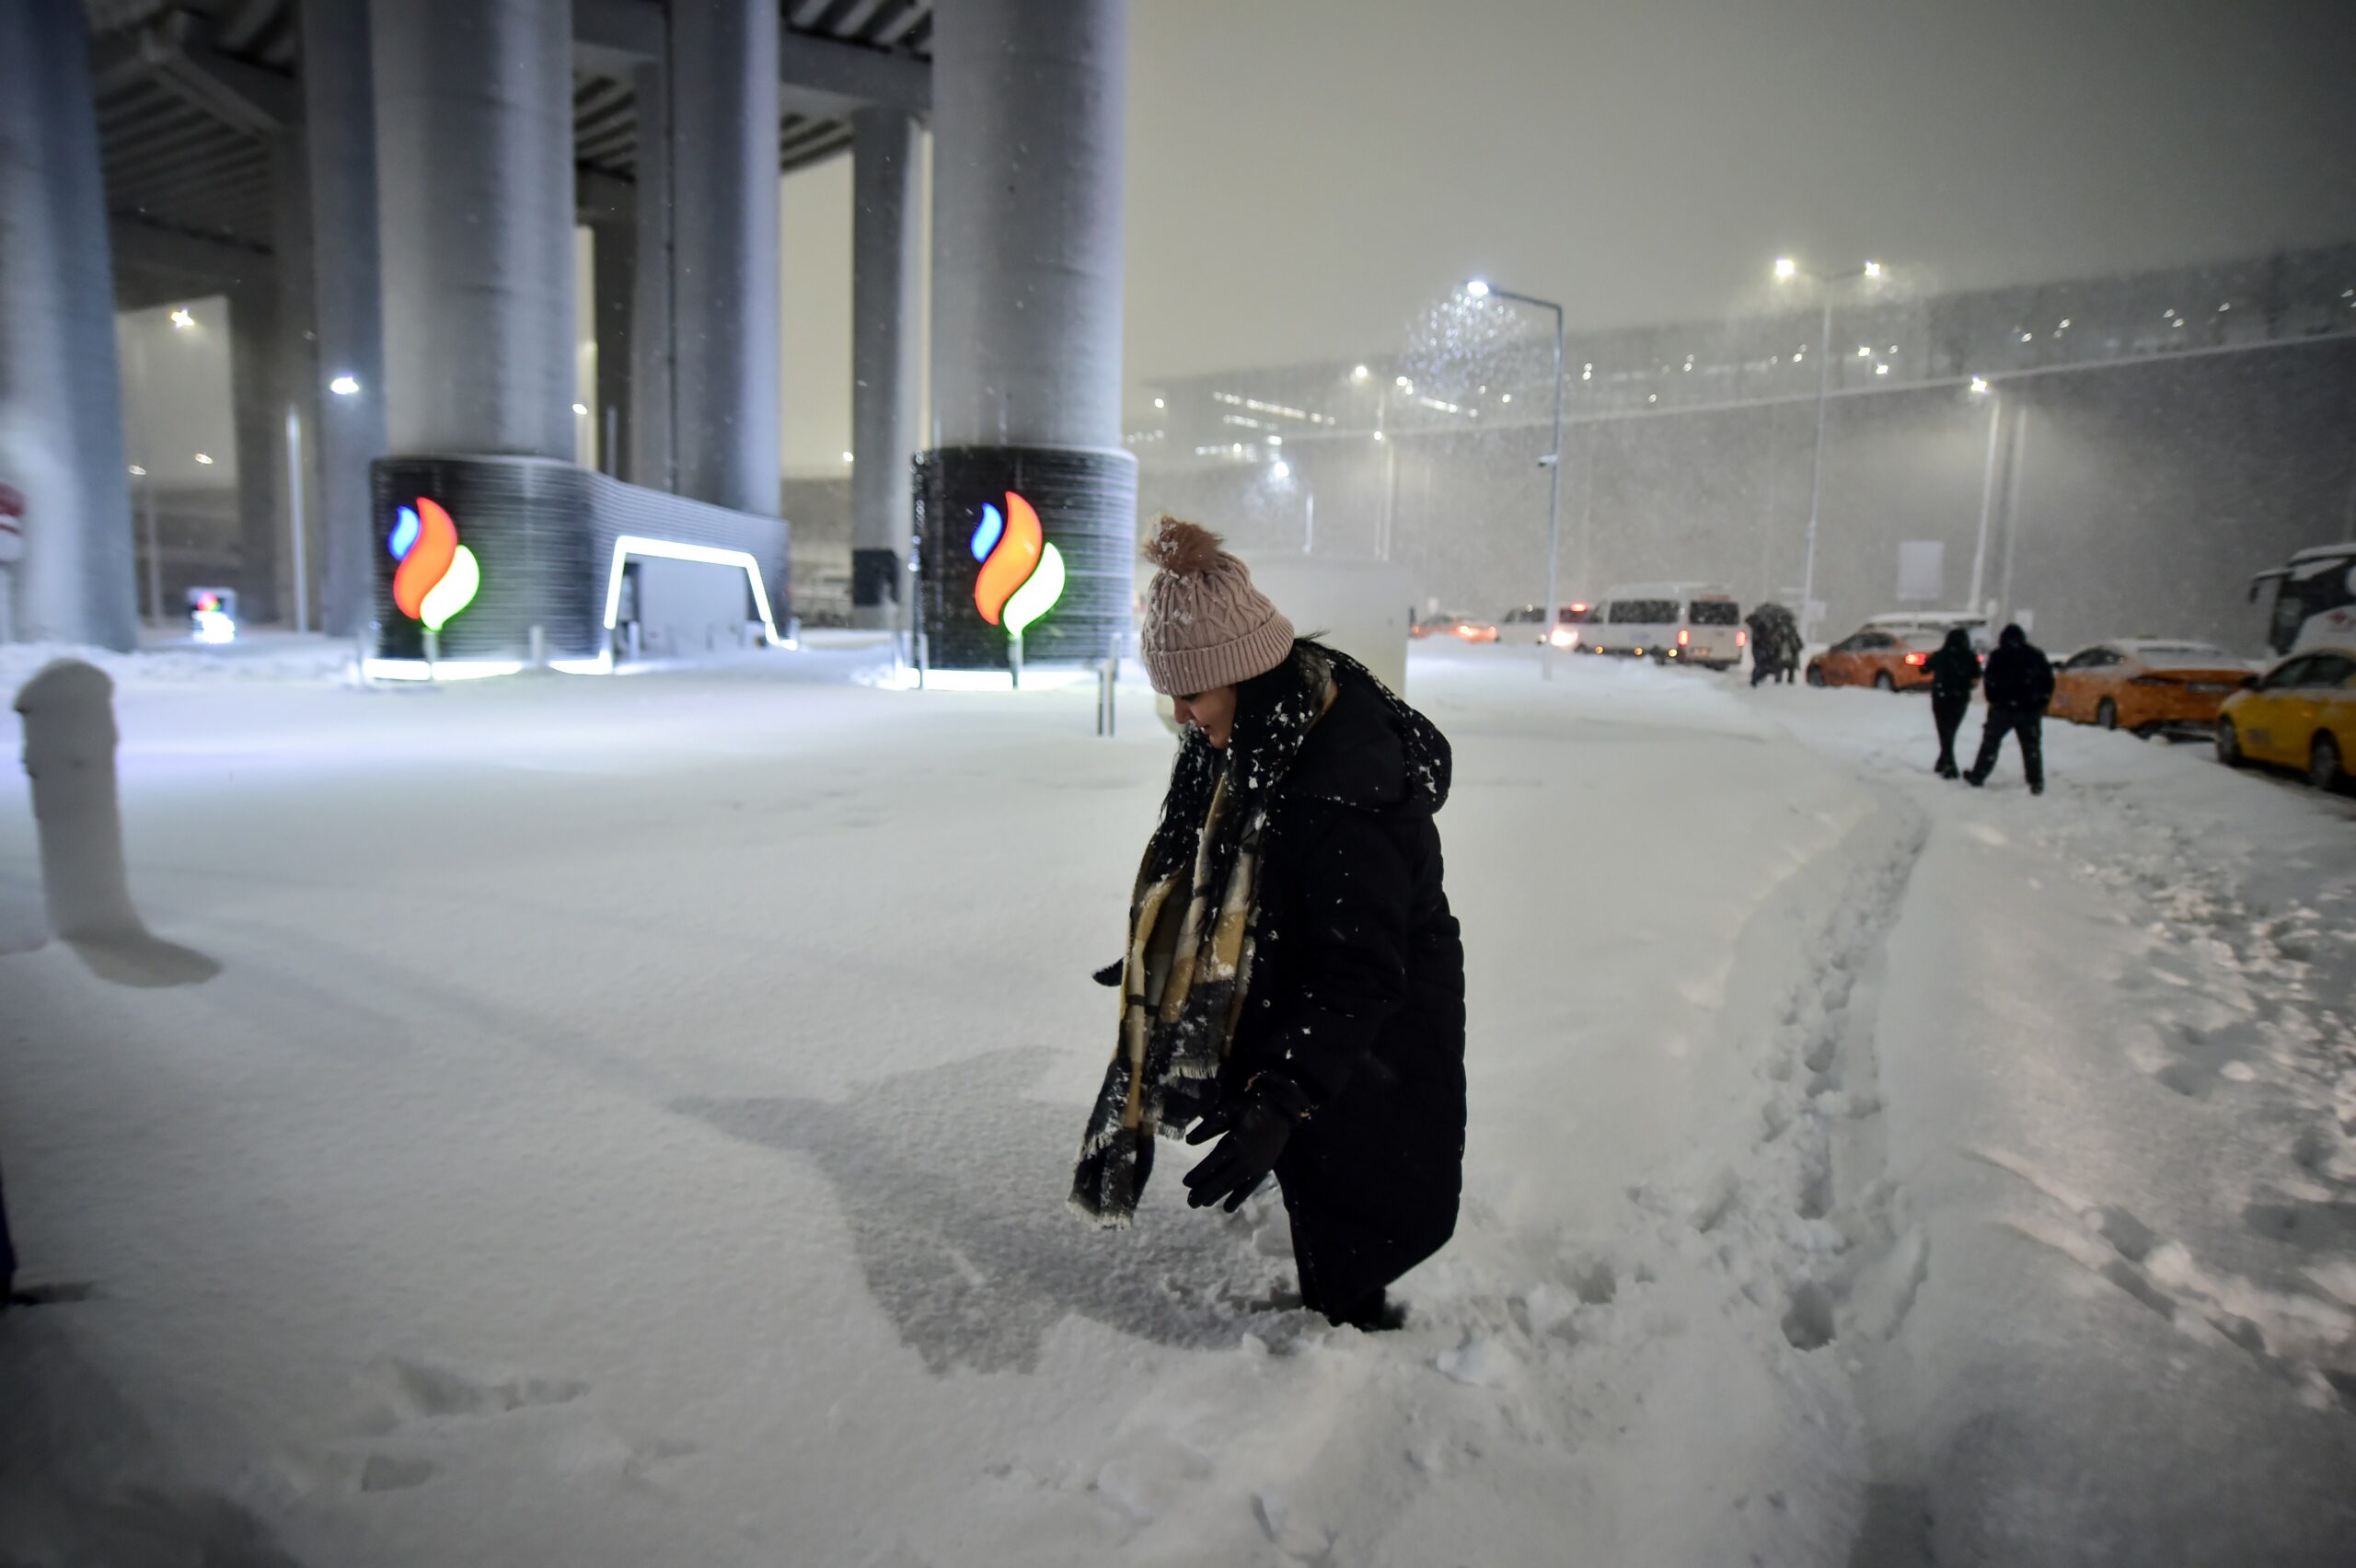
1873,269
205,460
181,317
1160,404
344,385
1359,373
1786,268
1979,385
1478,288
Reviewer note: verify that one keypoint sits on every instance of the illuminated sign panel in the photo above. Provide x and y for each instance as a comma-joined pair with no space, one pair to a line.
1022,575
438,576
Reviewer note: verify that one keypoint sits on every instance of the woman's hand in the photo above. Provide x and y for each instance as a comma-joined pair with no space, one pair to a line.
1256,1133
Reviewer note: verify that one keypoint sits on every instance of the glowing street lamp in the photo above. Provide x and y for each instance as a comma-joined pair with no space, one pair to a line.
1480,288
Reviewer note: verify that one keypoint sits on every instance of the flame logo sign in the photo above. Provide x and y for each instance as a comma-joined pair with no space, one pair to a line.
438,576
1022,575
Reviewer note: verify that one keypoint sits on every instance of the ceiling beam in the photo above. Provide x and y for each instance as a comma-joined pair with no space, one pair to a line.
816,75
174,52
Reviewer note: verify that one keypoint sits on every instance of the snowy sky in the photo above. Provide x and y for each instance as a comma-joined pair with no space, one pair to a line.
1305,174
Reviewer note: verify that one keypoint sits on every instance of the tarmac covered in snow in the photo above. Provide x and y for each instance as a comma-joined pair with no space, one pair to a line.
630,1119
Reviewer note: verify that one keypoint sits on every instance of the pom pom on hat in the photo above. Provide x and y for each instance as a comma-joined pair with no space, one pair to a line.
1186,549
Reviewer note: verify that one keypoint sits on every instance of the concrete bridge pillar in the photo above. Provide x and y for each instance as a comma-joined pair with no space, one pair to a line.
1028,110
339,125
884,236
474,172
61,390
723,251
650,456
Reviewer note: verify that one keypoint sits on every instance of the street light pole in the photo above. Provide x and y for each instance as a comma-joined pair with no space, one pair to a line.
1987,497
1550,614
1786,268
1816,467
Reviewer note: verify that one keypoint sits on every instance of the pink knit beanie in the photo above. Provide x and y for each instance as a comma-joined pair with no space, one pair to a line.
1204,625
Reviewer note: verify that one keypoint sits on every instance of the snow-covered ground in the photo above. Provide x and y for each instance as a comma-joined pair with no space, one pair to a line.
630,1120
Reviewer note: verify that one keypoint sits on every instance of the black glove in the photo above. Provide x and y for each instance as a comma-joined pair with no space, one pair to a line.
1258,1129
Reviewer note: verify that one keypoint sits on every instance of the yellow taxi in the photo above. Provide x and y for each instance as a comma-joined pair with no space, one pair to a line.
2300,713
2146,686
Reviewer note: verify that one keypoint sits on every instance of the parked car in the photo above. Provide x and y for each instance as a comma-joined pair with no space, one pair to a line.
1527,623
2146,686
1691,623
1464,628
2300,713
1906,623
1891,661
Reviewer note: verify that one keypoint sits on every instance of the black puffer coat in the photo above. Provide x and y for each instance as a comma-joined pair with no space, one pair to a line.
2019,675
1357,996
1954,667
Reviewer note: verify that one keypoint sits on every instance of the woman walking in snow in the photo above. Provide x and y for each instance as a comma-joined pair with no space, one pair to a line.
1294,983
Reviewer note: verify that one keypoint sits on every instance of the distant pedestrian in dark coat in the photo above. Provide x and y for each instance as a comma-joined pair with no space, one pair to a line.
1774,644
1955,670
2019,685
1294,978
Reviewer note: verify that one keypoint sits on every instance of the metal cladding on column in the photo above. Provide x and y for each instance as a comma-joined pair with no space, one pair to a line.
884,236
650,343
1028,109
473,176
723,178
61,395
340,123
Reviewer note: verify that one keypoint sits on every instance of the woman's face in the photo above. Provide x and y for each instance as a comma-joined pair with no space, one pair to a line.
1212,713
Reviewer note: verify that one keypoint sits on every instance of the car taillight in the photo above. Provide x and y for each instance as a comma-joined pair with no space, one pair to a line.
1743,639
1684,638
1913,658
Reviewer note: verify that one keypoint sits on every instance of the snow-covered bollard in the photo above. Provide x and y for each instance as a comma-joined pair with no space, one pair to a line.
68,711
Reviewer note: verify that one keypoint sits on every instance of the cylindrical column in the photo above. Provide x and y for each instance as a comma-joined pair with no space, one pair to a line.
650,340
883,345
298,384
258,411
724,251
339,96
615,262
1028,116
1028,110
61,391
474,177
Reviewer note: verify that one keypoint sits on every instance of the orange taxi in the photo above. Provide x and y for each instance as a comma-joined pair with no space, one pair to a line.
1891,661
2300,713
2146,686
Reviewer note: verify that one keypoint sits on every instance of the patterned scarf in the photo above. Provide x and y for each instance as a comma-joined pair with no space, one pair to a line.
1191,936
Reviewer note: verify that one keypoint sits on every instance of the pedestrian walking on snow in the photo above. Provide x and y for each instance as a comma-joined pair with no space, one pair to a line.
1294,983
1776,644
1954,670
2018,684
